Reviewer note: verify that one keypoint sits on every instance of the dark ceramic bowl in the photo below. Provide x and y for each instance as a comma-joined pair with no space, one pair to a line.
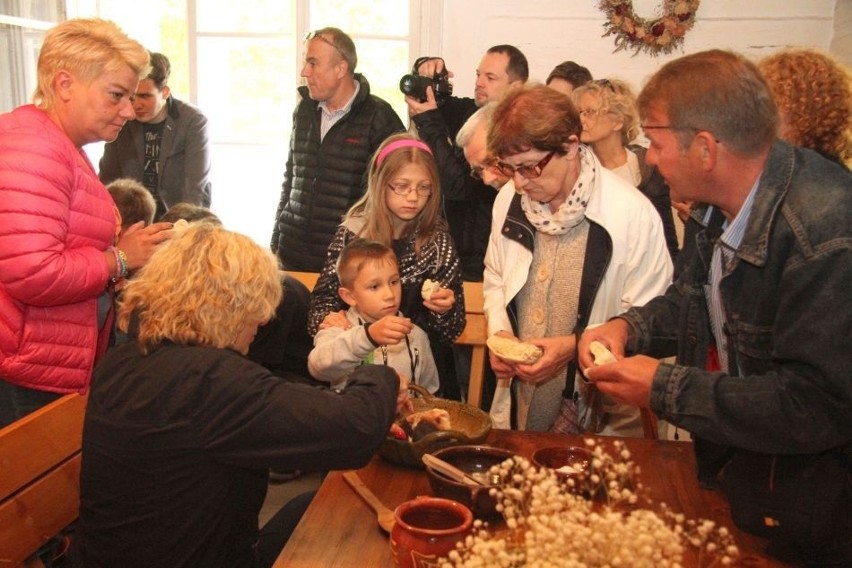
475,461
566,461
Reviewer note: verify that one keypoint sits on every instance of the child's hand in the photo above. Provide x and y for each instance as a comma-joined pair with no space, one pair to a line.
441,301
389,330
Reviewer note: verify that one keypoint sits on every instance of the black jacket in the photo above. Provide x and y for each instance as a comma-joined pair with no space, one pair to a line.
323,179
177,445
467,201
185,156
654,187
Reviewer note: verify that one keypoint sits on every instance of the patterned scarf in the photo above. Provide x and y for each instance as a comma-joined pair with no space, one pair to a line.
573,211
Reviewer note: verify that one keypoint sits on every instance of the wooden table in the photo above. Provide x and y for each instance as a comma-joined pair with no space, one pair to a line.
338,529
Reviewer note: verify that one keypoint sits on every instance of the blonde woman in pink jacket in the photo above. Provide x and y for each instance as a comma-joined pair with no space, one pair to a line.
59,256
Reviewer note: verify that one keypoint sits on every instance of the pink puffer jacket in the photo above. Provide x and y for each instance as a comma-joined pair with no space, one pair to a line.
56,219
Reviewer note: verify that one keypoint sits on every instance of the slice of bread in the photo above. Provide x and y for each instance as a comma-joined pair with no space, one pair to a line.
429,287
601,354
513,350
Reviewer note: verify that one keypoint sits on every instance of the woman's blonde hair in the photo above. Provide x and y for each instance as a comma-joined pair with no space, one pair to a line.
378,221
200,289
86,48
813,93
617,98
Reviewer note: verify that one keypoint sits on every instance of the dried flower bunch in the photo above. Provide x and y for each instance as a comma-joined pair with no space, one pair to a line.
552,524
659,35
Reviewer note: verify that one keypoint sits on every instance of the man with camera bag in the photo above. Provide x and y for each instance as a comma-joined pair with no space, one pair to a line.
337,126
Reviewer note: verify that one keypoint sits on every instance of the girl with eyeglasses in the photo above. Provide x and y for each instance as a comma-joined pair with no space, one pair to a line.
571,246
401,209
610,122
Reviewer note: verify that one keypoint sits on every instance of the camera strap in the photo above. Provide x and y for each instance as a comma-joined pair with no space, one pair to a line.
421,60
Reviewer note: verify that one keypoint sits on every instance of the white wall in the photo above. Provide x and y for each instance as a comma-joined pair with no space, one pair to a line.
552,31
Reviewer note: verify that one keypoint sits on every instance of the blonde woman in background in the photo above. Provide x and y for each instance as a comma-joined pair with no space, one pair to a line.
610,127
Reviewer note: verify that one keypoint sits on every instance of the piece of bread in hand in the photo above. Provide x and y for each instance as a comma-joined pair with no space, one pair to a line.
513,350
429,287
601,354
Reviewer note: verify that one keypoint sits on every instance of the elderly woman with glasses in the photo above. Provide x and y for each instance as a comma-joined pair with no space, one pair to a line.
572,245
610,122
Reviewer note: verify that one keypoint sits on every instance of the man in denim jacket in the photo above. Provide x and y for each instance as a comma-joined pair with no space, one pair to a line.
767,396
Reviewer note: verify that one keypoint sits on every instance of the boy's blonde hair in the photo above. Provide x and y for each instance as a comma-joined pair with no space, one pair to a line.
356,254
134,201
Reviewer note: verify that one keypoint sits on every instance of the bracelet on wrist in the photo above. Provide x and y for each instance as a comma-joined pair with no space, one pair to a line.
121,268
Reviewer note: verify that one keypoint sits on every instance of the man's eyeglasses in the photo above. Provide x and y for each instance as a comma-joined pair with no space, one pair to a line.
476,171
676,129
528,172
322,38
404,189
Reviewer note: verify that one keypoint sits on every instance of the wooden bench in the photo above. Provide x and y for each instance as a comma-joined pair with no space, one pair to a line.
474,333
39,477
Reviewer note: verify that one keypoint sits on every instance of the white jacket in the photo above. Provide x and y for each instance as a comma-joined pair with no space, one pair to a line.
639,269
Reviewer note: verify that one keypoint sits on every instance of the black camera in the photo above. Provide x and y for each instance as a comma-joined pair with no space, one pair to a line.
414,85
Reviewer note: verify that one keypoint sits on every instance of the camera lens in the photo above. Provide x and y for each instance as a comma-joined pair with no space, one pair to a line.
415,86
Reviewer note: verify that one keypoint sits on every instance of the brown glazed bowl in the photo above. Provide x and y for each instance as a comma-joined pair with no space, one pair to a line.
469,425
573,461
475,461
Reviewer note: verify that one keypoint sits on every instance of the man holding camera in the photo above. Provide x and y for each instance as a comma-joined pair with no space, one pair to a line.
337,126
467,200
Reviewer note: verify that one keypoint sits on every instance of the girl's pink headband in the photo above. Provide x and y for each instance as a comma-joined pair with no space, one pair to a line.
396,145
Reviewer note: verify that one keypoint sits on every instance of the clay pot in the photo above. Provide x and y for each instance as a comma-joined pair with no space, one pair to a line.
427,528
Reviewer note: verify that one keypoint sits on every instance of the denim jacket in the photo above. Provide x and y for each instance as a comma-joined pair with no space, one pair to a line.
790,388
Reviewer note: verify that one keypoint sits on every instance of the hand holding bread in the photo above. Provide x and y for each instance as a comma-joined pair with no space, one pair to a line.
513,350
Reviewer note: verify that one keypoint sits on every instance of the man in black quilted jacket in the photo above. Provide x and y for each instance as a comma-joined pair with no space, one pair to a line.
337,126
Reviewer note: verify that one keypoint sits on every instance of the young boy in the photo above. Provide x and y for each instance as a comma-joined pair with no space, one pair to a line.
134,202
379,333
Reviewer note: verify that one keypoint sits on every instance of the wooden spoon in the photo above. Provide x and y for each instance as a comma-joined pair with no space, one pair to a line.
450,470
383,514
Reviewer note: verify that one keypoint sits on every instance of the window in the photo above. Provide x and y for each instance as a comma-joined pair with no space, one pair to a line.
22,27
239,62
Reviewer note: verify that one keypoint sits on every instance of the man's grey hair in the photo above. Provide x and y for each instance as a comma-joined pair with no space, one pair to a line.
481,117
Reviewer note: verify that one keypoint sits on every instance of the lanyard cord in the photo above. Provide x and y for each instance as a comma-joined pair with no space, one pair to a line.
414,357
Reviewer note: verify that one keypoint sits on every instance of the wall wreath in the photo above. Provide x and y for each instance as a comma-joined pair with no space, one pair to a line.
654,36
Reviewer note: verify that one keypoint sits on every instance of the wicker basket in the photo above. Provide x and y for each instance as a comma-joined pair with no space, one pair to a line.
470,425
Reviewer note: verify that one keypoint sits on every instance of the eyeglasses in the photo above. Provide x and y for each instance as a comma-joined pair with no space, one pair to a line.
528,172
590,113
405,189
676,128
476,171
322,38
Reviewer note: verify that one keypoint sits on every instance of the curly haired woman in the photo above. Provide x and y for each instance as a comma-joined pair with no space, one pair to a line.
813,93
